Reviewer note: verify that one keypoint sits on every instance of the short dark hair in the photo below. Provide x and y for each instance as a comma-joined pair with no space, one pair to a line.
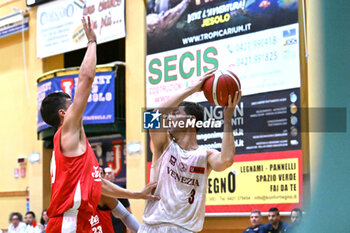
274,209
297,210
50,106
31,212
256,211
193,109
19,215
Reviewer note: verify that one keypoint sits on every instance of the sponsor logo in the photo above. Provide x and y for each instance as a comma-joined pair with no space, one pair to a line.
199,170
183,167
94,220
289,32
67,85
172,160
293,120
96,174
293,97
291,41
293,131
294,142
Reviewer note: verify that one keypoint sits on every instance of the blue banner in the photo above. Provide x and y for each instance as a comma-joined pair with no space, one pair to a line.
109,151
7,31
100,106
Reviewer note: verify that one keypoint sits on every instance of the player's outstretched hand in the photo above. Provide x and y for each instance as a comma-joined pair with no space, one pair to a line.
146,192
198,86
89,32
229,109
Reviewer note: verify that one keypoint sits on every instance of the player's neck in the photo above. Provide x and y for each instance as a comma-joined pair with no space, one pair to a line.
187,141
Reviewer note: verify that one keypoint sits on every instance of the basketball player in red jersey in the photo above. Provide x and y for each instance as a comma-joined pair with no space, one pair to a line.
75,175
181,167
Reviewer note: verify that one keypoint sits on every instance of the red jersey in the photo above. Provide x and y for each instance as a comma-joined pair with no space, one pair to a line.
76,189
102,221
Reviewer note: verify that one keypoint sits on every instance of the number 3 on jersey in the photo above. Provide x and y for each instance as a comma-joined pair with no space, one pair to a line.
191,198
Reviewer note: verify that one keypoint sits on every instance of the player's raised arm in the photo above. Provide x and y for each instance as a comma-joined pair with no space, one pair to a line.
73,118
160,138
219,161
72,125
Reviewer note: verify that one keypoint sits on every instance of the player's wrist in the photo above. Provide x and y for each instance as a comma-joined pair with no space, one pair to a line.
92,41
190,90
136,195
228,118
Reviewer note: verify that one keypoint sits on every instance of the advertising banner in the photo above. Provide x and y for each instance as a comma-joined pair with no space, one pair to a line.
270,179
262,122
13,24
258,40
263,61
100,106
60,30
186,22
109,151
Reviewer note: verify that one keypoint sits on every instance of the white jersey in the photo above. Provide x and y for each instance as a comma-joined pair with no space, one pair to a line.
182,181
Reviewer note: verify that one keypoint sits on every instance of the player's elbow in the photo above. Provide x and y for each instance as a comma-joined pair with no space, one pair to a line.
222,165
87,75
228,161
104,187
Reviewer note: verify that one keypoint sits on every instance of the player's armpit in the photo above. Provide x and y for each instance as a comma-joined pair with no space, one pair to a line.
109,201
73,142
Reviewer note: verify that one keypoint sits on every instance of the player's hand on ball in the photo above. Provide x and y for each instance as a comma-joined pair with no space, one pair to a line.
198,86
232,102
89,32
146,192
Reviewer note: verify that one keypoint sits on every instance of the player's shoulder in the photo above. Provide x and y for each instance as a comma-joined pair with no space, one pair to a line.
212,152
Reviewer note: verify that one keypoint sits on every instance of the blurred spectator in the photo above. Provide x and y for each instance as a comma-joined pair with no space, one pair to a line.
43,221
275,224
256,221
31,227
16,224
296,216
109,174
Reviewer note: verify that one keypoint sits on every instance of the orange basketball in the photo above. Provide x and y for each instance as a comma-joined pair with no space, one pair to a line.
221,84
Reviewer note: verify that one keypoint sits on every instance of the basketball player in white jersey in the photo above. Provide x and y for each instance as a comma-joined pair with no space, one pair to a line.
181,167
